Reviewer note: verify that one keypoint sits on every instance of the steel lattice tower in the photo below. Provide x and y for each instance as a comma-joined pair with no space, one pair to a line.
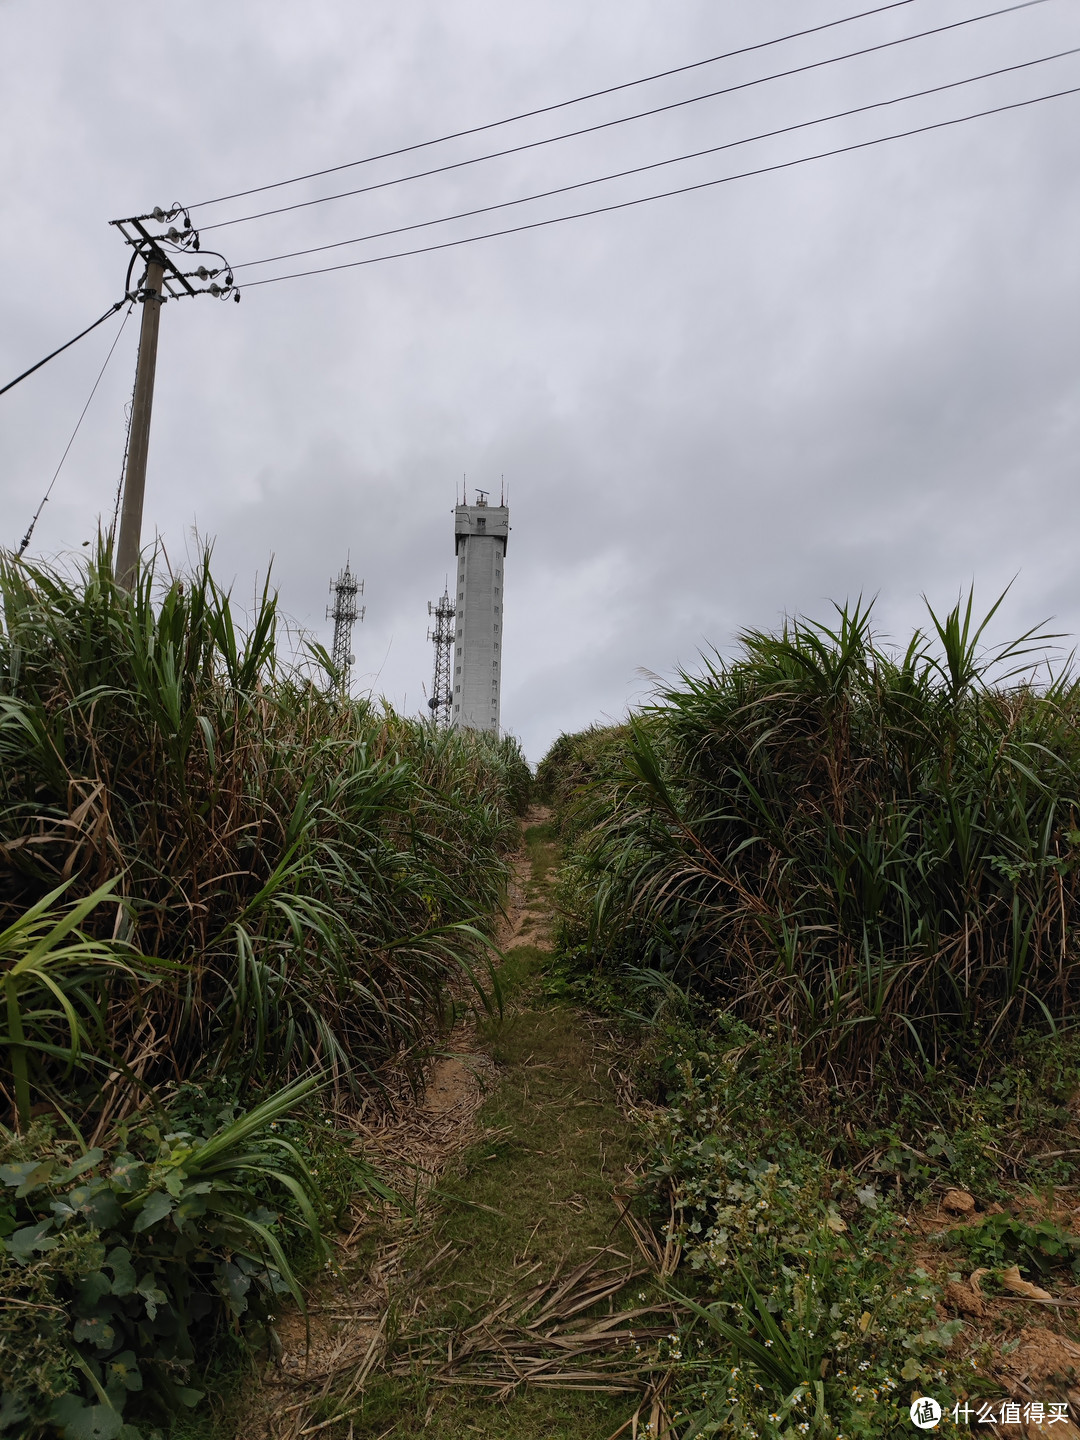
442,637
344,614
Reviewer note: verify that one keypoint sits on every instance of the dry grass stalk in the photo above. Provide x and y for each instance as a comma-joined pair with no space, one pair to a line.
535,1338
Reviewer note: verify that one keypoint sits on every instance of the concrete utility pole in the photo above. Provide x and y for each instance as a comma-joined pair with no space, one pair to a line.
163,280
130,541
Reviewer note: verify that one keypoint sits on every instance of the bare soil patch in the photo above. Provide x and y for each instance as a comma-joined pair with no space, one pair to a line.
1025,1339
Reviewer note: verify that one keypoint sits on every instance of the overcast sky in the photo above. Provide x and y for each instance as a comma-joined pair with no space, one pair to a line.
858,375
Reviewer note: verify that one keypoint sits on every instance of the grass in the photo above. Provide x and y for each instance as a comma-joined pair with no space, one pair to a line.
395,1408
542,850
218,877
535,1190
520,966
315,871
561,1144
875,850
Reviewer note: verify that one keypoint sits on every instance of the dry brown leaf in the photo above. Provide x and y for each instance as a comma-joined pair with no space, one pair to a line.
1016,1285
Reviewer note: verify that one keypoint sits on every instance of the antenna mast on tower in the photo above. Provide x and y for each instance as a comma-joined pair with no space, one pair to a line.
442,637
344,614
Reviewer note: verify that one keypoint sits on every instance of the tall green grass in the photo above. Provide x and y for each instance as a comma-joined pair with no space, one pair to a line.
217,883
314,873
874,850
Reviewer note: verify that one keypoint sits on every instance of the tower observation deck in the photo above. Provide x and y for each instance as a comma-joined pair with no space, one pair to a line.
480,535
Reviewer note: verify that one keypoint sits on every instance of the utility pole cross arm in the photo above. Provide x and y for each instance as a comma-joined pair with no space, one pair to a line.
163,280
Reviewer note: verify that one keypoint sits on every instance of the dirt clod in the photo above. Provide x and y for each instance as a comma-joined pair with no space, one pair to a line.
958,1202
962,1298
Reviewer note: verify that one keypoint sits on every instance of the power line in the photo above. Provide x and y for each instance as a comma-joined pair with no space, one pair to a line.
660,164
559,105
668,194
625,119
78,423
101,319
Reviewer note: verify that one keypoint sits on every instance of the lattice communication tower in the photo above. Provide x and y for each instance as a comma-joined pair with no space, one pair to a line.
344,613
442,637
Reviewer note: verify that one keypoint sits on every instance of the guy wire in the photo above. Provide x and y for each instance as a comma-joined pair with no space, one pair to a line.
37,513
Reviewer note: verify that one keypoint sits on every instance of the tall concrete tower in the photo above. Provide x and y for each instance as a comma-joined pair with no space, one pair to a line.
480,535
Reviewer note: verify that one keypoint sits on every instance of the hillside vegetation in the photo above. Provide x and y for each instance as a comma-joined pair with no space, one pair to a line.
220,887
876,852
823,894
831,890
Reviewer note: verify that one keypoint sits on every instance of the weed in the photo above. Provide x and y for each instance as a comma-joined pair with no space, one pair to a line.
815,1317
315,871
133,1262
1038,1247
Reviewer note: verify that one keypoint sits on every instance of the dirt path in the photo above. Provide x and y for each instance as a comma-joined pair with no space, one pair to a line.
508,1301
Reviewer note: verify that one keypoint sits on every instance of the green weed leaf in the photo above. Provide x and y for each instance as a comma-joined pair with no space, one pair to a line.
153,1297
97,1329
24,1243
80,1166
118,1261
123,1370
95,1203
26,1177
154,1208
79,1421
128,1174
234,1285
